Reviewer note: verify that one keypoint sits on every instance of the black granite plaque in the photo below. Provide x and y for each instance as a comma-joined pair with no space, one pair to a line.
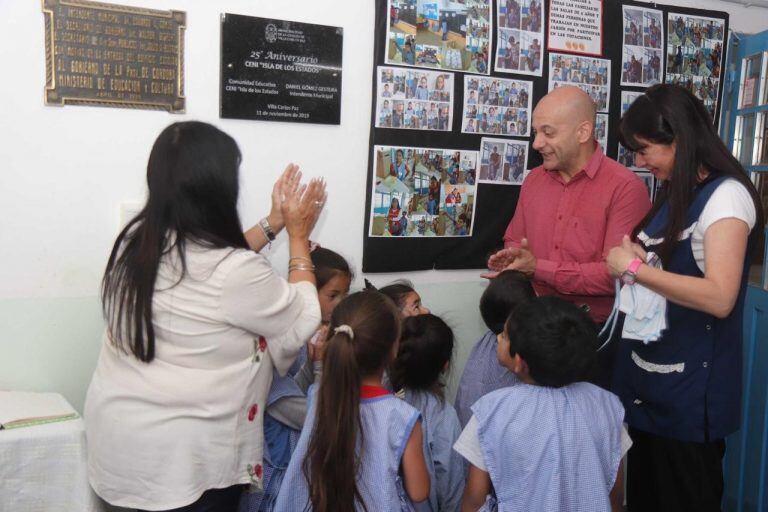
276,70
113,55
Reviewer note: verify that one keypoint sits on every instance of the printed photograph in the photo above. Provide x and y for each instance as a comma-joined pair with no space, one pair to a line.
601,130
502,161
694,56
650,183
520,36
625,156
590,74
444,34
423,192
497,106
414,99
642,58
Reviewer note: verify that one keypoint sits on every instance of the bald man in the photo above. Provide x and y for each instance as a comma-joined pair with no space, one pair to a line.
571,210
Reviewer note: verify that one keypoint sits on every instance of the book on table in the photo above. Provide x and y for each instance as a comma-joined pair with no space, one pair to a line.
23,409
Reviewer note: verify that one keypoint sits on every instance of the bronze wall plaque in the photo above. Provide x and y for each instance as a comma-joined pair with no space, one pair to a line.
113,55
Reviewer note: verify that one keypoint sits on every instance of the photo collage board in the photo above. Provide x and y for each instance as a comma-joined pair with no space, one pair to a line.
455,86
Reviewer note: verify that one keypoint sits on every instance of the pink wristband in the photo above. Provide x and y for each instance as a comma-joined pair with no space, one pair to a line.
634,265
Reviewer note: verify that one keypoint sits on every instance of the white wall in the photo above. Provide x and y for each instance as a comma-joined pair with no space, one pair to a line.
65,171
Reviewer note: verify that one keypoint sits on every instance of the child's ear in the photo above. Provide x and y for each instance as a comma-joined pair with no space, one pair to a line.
520,368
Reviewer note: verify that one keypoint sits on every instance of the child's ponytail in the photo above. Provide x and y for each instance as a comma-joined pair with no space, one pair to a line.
364,328
331,455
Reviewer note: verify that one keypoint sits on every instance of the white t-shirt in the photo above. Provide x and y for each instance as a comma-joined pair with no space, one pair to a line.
161,433
731,199
468,444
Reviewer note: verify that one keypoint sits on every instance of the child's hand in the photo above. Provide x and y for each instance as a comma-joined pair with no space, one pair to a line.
317,344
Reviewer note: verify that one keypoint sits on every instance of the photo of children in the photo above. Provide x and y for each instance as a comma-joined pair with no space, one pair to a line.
591,75
502,161
642,53
443,34
650,183
519,36
496,106
414,99
601,130
423,192
694,56
627,157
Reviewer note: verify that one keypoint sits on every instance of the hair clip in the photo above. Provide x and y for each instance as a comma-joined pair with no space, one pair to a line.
346,330
313,246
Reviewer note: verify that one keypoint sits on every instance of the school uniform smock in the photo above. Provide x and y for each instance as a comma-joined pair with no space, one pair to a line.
447,469
547,449
387,423
687,385
280,439
482,374
161,433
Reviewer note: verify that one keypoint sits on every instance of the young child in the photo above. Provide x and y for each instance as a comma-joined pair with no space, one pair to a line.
426,347
550,442
483,373
287,400
405,297
361,447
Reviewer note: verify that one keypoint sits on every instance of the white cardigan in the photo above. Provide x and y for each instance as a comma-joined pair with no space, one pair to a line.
161,433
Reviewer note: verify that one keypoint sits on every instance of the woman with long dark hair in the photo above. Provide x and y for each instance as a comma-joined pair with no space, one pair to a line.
682,392
196,319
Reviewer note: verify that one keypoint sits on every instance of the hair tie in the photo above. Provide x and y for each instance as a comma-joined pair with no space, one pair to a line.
313,246
346,330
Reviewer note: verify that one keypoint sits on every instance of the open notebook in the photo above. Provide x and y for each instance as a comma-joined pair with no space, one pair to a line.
23,409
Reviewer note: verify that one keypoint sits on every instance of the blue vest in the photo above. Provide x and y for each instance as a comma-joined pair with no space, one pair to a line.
387,423
279,442
550,449
447,469
482,374
687,385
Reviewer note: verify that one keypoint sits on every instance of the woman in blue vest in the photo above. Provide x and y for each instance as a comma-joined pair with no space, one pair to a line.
682,393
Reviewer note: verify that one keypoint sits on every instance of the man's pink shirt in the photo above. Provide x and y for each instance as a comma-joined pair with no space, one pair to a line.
571,226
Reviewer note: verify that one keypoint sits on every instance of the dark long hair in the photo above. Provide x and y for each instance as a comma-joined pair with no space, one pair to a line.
398,291
332,461
328,264
669,113
426,345
192,176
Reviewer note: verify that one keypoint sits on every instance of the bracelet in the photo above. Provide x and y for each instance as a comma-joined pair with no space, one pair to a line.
308,268
267,229
301,258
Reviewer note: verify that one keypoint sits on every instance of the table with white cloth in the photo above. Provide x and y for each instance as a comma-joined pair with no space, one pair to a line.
43,468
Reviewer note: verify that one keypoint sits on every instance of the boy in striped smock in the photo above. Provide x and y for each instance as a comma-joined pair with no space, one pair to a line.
483,373
550,443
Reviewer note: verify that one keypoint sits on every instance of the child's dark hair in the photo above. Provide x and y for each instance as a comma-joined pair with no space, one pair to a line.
426,345
556,339
328,264
504,293
398,291
332,460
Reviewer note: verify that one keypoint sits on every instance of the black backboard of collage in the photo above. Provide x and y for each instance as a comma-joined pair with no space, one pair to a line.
491,206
